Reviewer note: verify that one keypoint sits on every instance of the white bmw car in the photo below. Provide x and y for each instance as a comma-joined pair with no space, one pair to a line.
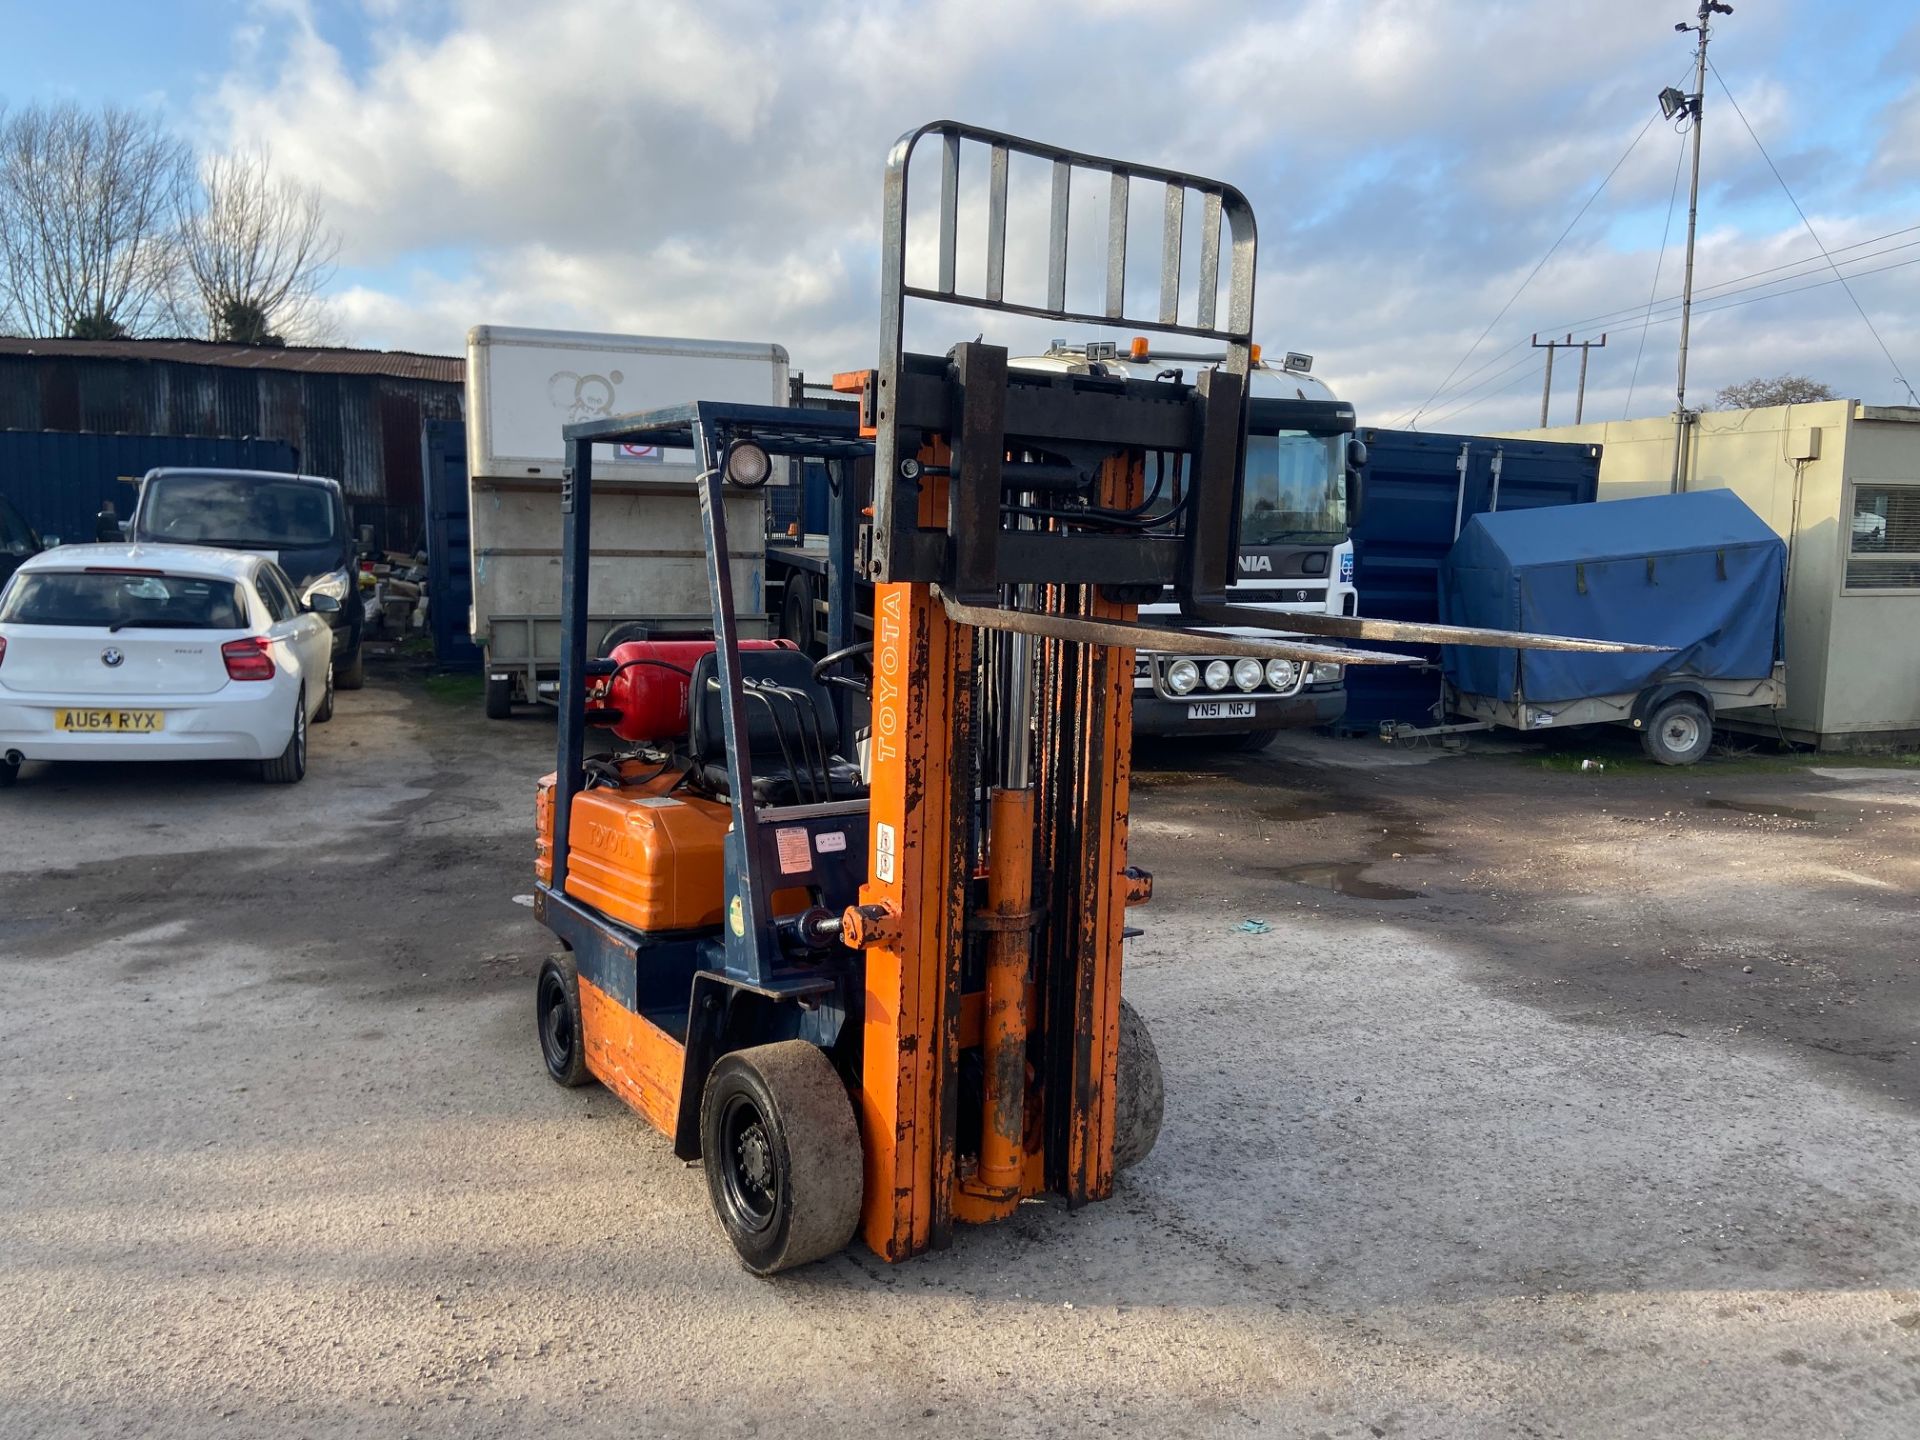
160,652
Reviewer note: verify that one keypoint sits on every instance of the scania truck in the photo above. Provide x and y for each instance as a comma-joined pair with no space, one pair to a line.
1300,496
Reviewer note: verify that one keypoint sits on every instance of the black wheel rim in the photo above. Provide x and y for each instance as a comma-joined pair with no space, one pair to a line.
556,1024
749,1166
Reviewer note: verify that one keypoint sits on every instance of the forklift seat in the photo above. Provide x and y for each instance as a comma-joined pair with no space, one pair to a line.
793,732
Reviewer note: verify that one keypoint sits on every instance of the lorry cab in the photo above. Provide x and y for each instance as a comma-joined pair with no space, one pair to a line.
1299,499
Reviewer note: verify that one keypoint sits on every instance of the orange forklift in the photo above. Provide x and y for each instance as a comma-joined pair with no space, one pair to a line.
849,930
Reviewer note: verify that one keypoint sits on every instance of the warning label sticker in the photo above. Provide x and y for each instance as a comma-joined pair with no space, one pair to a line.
791,843
883,853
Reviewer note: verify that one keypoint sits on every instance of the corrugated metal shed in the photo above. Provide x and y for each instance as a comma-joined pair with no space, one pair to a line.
58,480
308,359
355,415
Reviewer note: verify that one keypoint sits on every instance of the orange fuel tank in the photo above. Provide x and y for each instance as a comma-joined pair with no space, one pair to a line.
639,854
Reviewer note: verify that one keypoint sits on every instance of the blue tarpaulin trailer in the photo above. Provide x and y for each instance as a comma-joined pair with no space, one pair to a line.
1698,572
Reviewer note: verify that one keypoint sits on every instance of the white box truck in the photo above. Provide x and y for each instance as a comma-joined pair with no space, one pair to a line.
649,555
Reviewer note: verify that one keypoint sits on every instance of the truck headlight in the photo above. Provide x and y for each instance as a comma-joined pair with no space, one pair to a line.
1218,674
1281,674
1324,672
1183,676
337,583
1247,673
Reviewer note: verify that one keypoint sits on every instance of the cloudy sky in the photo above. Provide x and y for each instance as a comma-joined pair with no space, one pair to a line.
713,168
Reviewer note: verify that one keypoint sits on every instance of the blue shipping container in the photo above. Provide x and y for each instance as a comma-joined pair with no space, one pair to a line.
1420,491
443,463
59,479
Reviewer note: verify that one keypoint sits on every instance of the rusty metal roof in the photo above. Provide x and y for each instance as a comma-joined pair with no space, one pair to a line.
317,360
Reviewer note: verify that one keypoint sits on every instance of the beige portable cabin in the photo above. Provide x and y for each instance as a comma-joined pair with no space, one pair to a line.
1840,482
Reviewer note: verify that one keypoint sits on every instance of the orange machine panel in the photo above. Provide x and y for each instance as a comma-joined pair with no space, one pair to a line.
641,856
632,1056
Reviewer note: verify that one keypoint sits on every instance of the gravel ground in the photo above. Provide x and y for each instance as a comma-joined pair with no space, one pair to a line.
1545,1103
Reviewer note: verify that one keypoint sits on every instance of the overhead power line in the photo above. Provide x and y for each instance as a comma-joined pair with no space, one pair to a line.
1632,145
1733,285
1466,399
1666,228
1897,373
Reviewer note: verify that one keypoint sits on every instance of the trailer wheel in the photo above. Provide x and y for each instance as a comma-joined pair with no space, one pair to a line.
557,1018
1140,1093
1678,733
499,696
782,1155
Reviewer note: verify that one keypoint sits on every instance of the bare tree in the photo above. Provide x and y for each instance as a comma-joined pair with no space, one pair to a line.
89,201
255,253
1761,391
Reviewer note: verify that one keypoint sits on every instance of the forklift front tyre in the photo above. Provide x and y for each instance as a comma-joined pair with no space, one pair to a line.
557,1013
782,1155
1140,1099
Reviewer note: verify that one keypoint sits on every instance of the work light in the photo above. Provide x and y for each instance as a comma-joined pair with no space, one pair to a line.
748,464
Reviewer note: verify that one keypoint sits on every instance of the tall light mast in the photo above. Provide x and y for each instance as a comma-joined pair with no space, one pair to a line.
1672,104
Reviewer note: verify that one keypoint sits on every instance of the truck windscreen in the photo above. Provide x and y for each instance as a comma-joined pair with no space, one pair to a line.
1295,489
243,511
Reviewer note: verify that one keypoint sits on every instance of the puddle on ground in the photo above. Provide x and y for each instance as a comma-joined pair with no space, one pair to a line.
1344,877
1776,812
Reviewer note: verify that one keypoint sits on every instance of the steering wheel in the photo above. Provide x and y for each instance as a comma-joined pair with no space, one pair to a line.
862,688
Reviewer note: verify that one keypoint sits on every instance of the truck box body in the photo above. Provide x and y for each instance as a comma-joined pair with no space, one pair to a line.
649,555
1699,572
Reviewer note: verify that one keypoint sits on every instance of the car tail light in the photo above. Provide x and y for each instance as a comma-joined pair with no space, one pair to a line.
3,649
248,659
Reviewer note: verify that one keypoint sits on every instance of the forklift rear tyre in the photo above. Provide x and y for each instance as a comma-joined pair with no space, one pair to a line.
782,1155
557,1014
1140,1099
499,696
1679,732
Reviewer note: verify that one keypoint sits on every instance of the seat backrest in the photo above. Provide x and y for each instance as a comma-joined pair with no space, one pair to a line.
789,669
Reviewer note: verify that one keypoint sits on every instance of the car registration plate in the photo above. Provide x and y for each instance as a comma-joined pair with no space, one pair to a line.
1221,710
130,722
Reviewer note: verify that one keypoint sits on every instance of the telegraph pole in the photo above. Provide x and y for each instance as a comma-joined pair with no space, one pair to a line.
1546,390
1672,104
1580,395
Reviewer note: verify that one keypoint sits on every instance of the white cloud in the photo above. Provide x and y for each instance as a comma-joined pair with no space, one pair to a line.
714,168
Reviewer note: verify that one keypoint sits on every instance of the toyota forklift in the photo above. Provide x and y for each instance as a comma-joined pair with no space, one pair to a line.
849,930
